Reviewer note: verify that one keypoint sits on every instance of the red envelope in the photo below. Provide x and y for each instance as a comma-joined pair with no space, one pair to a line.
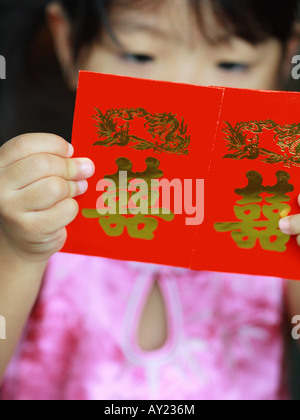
226,162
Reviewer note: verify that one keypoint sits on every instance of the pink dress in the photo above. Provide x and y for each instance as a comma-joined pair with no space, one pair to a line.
225,339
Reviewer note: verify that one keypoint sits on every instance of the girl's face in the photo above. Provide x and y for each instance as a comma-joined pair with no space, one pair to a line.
165,43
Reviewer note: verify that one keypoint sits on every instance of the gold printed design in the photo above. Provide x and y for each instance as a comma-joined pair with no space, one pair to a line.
167,133
243,142
124,164
251,228
138,226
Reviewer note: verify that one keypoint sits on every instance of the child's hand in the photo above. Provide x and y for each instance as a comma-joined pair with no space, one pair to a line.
38,181
291,225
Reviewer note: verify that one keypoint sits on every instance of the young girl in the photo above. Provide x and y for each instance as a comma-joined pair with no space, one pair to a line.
103,329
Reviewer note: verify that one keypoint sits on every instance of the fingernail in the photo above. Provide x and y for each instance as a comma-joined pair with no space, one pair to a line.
285,225
87,167
82,187
71,150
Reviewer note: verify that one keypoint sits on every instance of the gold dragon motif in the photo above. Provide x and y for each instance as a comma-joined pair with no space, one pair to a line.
168,133
243,145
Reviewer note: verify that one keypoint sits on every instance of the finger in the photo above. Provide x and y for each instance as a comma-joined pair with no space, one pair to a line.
46,192
54,219
27,171
290,225
29,144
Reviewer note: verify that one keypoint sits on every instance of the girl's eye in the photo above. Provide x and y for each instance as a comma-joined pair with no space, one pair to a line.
233,67
138,58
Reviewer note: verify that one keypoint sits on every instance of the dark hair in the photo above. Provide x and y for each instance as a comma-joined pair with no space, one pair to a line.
34,96
251,20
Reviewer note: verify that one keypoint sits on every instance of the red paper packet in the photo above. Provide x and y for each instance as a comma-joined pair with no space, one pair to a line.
244,145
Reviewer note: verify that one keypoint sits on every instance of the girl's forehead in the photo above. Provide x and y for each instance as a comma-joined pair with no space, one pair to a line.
168,19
